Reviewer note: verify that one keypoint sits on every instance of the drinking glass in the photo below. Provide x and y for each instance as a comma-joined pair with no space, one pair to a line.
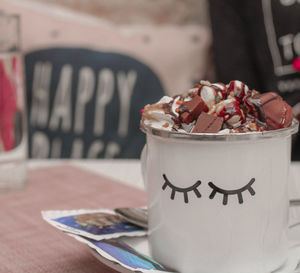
13,137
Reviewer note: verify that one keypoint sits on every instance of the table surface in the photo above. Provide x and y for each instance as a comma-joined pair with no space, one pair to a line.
127,171
29,244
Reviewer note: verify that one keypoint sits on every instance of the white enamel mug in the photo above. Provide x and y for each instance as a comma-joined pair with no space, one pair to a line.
218,203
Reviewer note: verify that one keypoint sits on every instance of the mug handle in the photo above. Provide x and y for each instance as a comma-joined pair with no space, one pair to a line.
143,159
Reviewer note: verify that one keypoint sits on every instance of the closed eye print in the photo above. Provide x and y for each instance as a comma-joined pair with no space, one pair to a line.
185,191
238,192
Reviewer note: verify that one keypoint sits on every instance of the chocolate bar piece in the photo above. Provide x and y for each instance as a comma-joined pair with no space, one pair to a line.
273,110
207,124
192,109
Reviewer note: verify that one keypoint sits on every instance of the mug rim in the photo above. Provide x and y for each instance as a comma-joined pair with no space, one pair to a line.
292,129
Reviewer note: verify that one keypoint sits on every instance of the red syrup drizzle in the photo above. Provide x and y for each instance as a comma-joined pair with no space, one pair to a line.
232,109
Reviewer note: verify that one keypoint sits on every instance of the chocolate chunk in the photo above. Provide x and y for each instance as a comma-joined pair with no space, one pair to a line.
207,124
274,111
192,109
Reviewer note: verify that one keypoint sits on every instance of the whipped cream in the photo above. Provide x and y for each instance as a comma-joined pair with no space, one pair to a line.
219,108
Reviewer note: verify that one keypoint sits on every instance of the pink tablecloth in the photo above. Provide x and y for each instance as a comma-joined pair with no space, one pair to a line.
28,244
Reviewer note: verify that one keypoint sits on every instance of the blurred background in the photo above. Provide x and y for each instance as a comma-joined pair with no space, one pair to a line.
92,65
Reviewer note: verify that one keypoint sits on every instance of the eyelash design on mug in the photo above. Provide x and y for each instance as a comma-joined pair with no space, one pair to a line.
184,190
238,192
